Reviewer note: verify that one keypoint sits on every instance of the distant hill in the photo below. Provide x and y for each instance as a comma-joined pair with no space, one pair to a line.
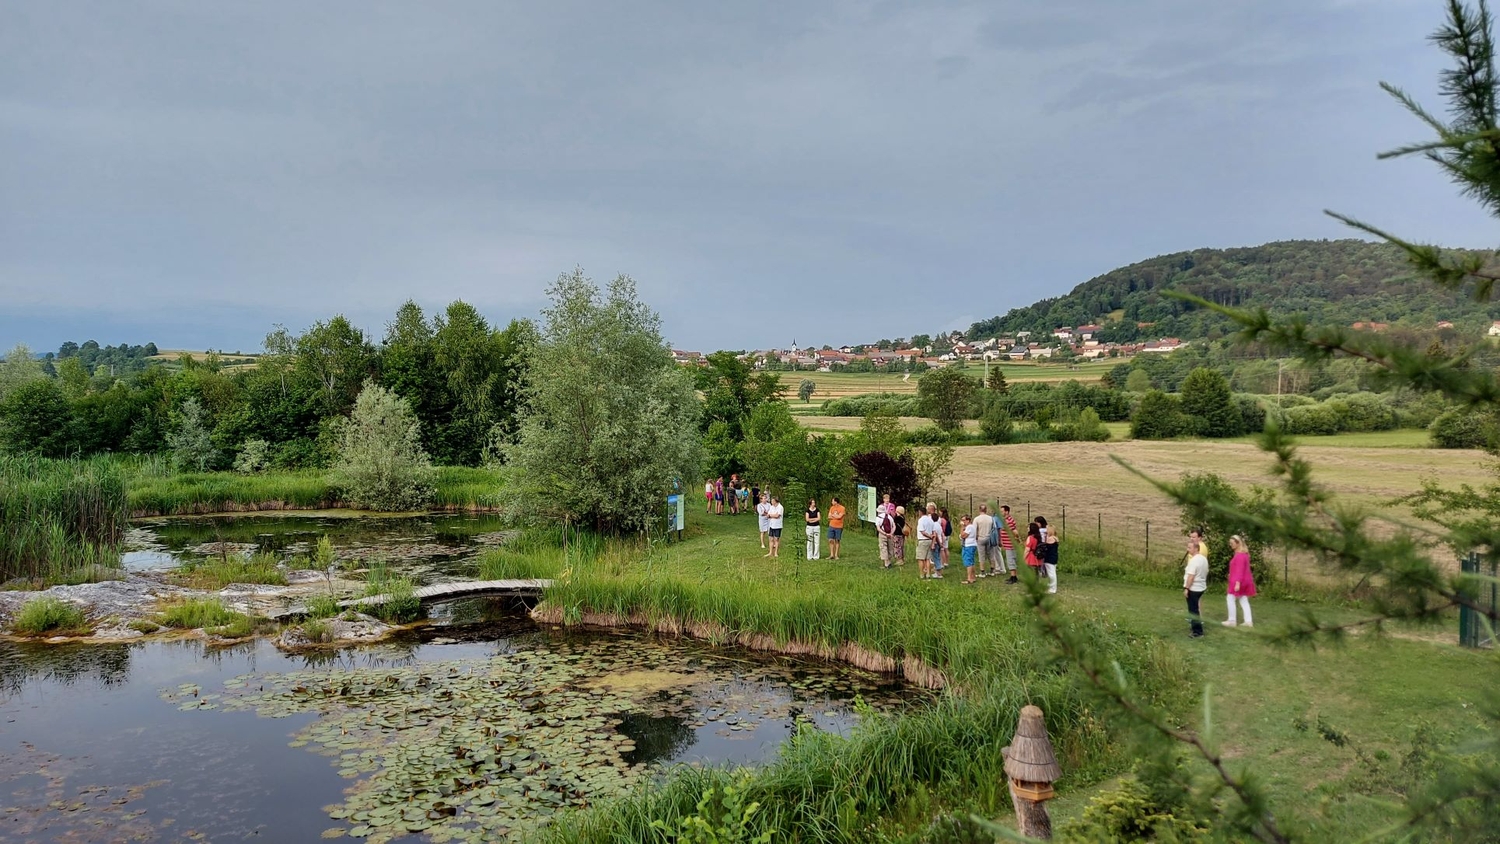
1334,281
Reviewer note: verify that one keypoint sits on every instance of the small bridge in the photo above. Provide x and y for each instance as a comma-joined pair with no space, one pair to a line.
438,593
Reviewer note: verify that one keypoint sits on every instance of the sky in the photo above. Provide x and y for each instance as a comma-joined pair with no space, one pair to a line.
193,173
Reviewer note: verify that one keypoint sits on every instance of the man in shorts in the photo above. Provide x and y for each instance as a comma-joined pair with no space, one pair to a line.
928,531
835,527
774,516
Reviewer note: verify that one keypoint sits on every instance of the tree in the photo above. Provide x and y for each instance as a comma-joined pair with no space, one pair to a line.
1209,405
19,367
996,382
892,474
947,397
732,390
1157,417
380,464
805,389
338,358
73,378
1138,381
192,444
36,418
609,424
882,431
254,456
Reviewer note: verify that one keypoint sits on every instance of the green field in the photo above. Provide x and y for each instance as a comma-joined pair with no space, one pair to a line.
1274,708
837,385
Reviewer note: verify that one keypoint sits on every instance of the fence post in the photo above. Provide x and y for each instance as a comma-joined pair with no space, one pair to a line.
1099,537
971,503
1064,530
1286,568
1148,540
1028,512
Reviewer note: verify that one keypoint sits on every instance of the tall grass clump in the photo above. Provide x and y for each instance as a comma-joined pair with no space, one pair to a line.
539,552
401,604
60,520
217,572
465,488
194,613
47,615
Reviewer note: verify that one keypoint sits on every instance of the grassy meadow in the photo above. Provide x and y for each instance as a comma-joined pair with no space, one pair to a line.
840,385
1327,730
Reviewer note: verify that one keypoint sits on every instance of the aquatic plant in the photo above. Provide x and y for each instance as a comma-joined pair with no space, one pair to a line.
321,606
194,613
401,604
217,572
60,520
47,614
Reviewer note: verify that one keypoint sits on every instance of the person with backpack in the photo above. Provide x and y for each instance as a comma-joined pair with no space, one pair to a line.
885,530
903,530
1033,544
970,549
944,535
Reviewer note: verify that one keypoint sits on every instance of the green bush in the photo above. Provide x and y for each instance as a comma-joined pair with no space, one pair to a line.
1158,417
1313,419
929,435
1208,406
1364,412
380,463
322,606
402,604
1252,414
1129,812
996,425
891,404
1460,428
48,614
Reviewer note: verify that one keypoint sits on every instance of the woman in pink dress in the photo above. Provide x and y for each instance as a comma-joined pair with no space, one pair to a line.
1241,584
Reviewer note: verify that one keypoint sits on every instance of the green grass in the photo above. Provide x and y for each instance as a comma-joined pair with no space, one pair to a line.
61,521
154,493
322,606
194,613
1385,695
47,614
214,573
895,771
1400,438
401,605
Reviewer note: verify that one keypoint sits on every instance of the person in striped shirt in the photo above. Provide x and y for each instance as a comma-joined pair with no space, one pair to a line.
1006,560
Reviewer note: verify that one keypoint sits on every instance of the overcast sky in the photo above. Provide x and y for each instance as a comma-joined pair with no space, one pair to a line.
191,173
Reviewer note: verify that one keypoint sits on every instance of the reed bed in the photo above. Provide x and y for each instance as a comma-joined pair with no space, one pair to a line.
894,771
215,573
61,521
153,493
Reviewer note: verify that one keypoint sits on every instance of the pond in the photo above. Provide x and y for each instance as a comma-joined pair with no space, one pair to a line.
431,548
463,730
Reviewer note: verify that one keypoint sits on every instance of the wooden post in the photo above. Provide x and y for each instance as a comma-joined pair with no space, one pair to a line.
1031,768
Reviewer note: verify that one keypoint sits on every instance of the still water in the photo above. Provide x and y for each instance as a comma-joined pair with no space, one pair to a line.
465,730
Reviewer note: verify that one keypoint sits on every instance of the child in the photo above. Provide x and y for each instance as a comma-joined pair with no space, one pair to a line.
971,549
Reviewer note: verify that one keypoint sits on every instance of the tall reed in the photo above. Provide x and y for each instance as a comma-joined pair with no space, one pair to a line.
60,520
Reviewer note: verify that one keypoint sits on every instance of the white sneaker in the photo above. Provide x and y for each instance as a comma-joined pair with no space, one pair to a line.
1229,624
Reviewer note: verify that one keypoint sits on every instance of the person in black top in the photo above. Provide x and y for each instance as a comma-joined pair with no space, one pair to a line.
814,528
900,536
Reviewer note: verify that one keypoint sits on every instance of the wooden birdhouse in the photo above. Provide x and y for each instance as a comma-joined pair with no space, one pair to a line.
1031,766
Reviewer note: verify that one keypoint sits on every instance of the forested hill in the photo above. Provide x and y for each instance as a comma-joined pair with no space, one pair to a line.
1335,281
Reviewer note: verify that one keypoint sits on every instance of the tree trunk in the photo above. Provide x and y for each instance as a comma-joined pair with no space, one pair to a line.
1032,819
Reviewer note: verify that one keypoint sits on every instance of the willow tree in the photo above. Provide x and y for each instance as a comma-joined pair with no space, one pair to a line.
1396,562
608,424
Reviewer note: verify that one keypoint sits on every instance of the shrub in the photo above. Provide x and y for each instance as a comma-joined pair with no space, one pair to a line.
254,456
1158,417
894,475
191,444
1460,428
929,435
47,614
1086,428
1252,414
1313,419
996,425
380,463
888,404
1363,412
1129,812
1217,524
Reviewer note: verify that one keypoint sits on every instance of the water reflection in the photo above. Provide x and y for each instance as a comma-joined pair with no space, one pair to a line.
22,663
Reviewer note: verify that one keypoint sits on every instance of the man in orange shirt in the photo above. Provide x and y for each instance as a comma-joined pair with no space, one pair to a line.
835,528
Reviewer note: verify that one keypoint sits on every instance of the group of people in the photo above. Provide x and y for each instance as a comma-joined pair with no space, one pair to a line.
1240,582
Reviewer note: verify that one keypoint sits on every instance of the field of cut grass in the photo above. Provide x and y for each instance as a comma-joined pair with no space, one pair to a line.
1328,731
837,385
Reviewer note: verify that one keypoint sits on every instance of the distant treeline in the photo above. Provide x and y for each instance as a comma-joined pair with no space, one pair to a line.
1338,282
459,373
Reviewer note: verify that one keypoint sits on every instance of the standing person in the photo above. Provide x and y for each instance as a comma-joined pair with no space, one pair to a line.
1008,536
763,513
1194,584
1046,552
708,496
744,498
755,495
1197,537
1033,542
814,527
886,535
946,534
719,496
733,493
1241,584
971,549
774,516
835,527
928,531
903,530
984,536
